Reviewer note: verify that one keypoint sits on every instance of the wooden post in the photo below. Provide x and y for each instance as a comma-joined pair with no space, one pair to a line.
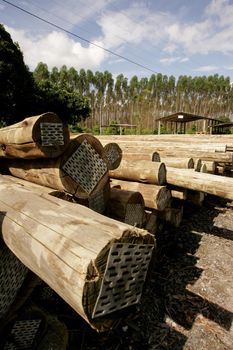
221,186
142,171
80,254
126,206
81,170
40,136
159,128
155,197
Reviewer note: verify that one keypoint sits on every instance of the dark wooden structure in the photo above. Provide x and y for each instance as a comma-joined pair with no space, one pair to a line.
180,119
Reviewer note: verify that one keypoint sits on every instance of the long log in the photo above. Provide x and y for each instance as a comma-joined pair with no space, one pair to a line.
142,171
183,163
81,170
79,253
126,206
40,136
150,156
155,197
221,186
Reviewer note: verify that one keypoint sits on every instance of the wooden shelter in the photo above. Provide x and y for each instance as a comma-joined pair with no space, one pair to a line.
179,120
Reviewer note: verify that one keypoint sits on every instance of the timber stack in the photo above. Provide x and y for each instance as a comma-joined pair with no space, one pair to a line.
105,260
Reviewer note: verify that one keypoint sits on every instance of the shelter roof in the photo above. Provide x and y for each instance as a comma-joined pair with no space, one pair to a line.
183,117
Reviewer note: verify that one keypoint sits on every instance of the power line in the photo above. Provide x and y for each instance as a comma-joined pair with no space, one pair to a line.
79,37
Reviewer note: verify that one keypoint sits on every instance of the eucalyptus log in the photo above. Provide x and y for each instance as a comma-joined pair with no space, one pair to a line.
81,170
79,253
151,222
142,171
39,136
210,166
184,163
197,164
155,197
150,156
126,206
172,215
113,155
220,186
195,197
179,194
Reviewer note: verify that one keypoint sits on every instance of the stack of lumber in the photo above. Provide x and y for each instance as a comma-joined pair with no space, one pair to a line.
208,148
190,163
98,265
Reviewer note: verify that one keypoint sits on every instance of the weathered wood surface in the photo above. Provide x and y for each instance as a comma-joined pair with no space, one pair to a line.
66,245
221,186
126,206
81,170
39,136
155,197
142,171
183,163
113,154
149,156
172,215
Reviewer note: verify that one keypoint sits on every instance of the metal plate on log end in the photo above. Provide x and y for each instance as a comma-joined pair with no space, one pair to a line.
85,167
124,277
12,275
51,134
112,155
134,214
23,334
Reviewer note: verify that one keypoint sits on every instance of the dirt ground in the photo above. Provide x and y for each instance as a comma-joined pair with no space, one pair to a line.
188,300
187,303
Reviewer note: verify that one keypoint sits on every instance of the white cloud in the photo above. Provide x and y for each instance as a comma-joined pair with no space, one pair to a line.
57,49
135,25
169,60
206,68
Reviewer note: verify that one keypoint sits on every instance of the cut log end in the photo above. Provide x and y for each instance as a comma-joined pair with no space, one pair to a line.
113,155
115,279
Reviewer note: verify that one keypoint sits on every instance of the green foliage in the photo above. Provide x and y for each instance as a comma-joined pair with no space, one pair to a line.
17,87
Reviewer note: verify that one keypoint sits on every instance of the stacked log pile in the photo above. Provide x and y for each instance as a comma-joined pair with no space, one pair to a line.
191,163
98,265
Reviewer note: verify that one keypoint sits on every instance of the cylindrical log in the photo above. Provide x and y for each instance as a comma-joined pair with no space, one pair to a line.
179,194
210,166
150,156
172,215
221,186
185,163
195,197
142,171
126,206
155,197
151,222
81,170
113,155
40,136
96,264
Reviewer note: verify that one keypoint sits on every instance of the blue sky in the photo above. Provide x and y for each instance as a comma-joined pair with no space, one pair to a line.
173,37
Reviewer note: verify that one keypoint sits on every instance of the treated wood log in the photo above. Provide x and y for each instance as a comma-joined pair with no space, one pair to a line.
155,197
184,163
81,170
210,166
172,215
151,222
40,136
150,156
126,206
179,194
142,171
113,154
195,197
80,254
220,186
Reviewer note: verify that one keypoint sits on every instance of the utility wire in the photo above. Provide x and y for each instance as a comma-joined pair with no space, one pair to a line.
79,37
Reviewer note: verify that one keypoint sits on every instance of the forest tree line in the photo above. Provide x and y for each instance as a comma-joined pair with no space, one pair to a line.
142,101
97,98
